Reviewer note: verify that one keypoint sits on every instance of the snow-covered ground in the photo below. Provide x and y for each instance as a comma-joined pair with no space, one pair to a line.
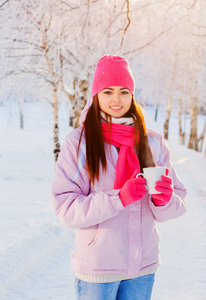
35,248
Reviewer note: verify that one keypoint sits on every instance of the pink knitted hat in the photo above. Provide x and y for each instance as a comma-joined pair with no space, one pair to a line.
112,71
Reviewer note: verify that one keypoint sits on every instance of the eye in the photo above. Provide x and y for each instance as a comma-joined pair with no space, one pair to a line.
125,92
107,92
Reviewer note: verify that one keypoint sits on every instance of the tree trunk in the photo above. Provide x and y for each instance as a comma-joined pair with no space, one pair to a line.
79,102
156,112
21,115
185,116
193,141
166,124
202,136
55,123
169,104
54,84
181,133
194,71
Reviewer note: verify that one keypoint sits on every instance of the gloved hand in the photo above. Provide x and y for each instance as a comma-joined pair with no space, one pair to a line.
134,189
165,186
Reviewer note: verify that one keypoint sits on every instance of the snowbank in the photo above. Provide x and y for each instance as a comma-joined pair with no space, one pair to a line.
35,248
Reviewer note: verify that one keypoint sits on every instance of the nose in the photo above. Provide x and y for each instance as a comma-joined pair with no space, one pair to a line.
115,97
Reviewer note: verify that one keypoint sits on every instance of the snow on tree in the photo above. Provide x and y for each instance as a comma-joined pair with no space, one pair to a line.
56,44
163,65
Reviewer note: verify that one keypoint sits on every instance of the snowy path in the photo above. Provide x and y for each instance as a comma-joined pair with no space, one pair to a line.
182,274
35,248
51,279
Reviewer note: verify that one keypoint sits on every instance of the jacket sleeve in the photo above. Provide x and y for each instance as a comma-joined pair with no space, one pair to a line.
73,203
176,206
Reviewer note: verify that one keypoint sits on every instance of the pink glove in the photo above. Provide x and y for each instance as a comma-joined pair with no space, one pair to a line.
133,189
165,186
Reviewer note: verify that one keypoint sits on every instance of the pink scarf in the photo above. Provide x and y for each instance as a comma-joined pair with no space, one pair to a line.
122,136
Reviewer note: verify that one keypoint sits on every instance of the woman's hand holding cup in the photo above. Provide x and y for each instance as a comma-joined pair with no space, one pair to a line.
159,185
165,187
133,190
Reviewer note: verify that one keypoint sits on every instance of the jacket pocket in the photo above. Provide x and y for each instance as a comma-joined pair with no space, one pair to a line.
85,237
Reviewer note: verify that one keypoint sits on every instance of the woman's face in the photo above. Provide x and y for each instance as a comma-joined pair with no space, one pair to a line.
115,101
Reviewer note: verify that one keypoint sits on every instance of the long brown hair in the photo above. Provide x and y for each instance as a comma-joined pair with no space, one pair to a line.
95,152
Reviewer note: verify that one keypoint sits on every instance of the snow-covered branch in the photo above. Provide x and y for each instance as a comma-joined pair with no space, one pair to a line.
1,5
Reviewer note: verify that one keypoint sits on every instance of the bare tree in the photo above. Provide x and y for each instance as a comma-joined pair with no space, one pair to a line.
57,44
170,98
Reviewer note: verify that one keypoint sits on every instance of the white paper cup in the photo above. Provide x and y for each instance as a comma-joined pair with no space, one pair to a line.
152,175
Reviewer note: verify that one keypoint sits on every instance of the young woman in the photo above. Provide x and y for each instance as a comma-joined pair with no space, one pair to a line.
95,190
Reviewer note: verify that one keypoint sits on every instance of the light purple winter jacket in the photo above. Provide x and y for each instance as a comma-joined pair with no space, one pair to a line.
110,238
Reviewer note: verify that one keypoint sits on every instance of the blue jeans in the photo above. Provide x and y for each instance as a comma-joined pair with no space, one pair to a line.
139,288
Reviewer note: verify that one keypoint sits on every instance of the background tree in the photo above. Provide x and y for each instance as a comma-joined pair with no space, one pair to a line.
53,46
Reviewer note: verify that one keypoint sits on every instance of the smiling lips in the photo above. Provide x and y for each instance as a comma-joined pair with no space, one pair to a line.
115,107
